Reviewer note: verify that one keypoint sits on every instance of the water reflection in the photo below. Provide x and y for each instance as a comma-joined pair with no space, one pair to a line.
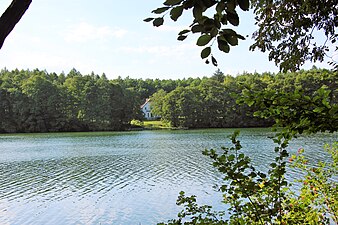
116,178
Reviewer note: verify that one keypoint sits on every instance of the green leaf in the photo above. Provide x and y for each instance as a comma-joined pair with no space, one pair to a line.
244,4
205,52
223,45
172,2
231,5
231,157
318,110
160,10
220,7
203,40
229,32
197,29
240,37
188,4
333,110
209,24
224,20
158,22
148,19
231,39
257,113
326,103
182,37
250,102
233,18
183,32
214,32
214,61
197,12
176,12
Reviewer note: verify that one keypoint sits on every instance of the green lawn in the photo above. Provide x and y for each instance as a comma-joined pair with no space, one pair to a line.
151,124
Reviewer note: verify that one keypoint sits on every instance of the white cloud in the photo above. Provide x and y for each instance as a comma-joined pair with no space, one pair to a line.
84,32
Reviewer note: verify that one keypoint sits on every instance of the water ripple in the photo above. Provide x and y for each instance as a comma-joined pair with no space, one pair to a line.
121,178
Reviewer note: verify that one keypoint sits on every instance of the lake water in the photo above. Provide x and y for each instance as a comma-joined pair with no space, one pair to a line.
120,177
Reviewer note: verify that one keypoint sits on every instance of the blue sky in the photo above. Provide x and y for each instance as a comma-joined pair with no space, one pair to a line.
109,36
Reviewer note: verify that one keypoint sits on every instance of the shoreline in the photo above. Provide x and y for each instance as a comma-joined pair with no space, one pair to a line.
137,129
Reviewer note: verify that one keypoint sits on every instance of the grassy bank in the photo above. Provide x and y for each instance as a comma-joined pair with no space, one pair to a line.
151,124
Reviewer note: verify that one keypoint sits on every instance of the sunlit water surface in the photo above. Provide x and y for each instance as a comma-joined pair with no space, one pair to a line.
120,177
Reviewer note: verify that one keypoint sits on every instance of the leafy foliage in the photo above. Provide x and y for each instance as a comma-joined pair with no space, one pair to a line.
293,99
253,196
37,101
291,31
318,198
196,214
297,111
212,29
256,197
41,101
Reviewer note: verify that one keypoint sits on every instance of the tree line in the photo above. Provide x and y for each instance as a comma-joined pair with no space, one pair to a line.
38,101
215,101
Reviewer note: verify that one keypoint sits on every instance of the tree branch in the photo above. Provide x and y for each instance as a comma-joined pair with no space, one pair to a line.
11,17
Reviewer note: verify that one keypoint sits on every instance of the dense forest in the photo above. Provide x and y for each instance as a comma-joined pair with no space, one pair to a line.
218,101
38,101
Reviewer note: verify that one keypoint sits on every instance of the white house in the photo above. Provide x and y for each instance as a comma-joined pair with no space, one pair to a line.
146,110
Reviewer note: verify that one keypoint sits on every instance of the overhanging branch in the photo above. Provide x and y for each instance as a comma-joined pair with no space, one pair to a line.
11,17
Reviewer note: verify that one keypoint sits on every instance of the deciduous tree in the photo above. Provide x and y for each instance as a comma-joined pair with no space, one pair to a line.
290,31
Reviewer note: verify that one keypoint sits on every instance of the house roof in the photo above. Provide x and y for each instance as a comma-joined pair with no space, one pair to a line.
147,100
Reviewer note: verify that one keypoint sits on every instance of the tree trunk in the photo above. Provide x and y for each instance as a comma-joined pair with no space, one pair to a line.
11,17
